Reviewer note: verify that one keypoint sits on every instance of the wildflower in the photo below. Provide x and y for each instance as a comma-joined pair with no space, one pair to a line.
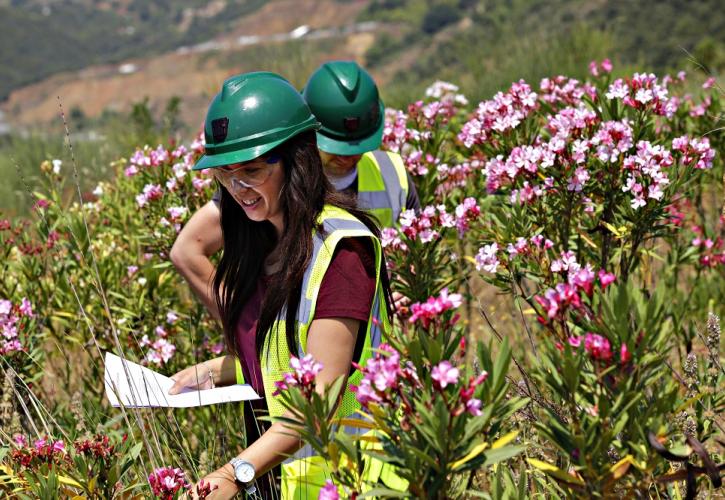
444,373
56,166
328,492
605,278
473,406
577,181
557,300
171,317
131,270
598,347
624,354
305,370
486,258
366,393
428,311
25,308
204,489
161,351
20,440
166,482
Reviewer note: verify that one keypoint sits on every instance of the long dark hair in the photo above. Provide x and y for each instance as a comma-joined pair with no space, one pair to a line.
247,243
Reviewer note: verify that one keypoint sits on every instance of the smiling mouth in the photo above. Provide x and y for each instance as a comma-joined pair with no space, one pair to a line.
249,203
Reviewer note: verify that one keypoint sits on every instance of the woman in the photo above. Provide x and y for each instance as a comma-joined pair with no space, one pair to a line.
300,273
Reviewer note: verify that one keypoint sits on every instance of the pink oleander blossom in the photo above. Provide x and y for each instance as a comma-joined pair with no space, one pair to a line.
598,347
303,374
167,482
487,258
444,374
427,312
504,112
328,492
382,375
26,308
624,355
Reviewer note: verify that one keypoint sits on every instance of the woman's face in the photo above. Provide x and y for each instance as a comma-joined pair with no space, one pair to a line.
256,185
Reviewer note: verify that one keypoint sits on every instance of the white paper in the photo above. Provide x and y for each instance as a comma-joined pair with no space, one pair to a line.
137,386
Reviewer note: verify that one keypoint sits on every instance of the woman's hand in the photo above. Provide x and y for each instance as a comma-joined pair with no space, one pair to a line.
198,376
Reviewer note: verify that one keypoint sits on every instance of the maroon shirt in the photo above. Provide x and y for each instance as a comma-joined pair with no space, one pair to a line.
346,291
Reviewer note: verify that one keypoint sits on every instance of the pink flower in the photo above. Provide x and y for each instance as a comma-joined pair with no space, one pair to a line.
366,393
39,443
25,308
131,270
328,492
167,481
5,307
709,83
605,278
59,446
575,342
306,368
624,354
473,406
486,258
20,440
445,373
598,347
428,311
172,317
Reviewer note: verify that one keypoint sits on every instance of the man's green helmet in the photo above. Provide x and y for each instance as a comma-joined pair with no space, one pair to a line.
345,99
253,113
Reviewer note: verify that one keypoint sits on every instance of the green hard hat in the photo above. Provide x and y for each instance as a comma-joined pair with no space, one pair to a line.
253,113
345,99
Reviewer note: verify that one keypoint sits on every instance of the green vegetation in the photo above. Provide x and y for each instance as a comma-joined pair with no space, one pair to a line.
96,143
39,40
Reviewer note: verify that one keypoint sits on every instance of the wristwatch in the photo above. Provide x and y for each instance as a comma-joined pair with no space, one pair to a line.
244,473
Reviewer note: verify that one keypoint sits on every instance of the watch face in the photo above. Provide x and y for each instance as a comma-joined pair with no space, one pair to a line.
244,472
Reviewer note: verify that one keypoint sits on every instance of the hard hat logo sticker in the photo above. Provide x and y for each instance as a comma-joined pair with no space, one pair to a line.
351,124
219,129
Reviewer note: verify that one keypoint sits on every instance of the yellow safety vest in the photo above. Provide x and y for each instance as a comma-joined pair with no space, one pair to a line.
304,474
382,186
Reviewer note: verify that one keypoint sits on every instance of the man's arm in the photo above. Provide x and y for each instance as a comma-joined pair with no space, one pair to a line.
200,239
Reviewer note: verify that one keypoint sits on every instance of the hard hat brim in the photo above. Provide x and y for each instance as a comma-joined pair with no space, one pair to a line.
231,157
353,147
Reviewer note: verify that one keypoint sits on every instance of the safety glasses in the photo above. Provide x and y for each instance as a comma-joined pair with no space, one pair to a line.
246,175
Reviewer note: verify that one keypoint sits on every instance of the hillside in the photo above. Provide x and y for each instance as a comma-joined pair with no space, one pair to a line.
193,74
40,38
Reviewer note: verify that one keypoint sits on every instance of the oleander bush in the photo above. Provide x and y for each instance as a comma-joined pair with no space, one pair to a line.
561,337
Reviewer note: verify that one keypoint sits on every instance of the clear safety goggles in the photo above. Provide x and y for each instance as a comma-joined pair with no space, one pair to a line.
246,175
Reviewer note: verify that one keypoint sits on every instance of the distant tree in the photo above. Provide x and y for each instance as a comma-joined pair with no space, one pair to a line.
171,121
438,17
143,122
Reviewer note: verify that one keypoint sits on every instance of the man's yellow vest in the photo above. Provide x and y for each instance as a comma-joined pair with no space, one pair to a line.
304,474
382,186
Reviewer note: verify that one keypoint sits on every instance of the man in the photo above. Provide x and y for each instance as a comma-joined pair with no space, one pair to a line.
345,100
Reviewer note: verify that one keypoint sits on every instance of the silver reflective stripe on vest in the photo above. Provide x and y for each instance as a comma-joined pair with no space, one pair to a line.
307,451
392,183
318,241
369,200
